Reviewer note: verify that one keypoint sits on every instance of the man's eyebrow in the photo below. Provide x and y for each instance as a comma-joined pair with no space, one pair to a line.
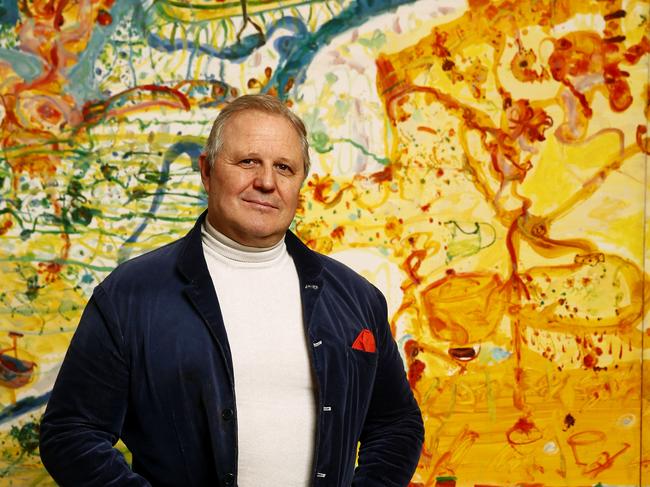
242,156
284,160
256,155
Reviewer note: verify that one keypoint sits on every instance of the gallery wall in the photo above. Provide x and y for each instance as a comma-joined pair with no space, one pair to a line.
482,162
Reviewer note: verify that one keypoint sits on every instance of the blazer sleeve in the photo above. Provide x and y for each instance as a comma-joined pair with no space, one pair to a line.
85,413
393,432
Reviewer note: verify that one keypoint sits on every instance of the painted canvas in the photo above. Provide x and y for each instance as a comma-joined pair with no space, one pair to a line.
484,162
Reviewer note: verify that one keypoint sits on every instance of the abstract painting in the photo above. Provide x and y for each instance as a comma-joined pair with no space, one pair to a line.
483,162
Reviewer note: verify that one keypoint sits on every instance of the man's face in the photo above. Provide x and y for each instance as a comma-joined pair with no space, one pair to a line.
254,184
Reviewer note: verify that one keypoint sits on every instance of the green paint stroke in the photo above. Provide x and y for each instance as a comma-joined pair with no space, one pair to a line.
321,143
468,239
376,42
69,262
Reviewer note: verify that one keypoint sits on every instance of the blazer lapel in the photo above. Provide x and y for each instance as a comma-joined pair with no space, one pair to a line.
309,268
200,291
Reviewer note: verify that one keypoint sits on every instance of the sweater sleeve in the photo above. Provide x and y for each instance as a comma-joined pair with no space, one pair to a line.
393,433
86,410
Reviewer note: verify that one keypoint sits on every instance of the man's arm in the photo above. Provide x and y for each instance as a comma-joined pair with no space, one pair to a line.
393,433
87,407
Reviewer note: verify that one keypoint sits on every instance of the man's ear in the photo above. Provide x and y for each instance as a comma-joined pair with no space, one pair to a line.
204,167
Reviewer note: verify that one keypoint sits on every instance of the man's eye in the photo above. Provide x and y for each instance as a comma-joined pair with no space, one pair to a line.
284,167
247,162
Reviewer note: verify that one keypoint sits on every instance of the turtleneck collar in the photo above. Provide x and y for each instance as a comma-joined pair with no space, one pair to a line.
227,248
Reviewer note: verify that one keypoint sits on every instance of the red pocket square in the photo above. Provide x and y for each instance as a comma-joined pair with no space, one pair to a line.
365,341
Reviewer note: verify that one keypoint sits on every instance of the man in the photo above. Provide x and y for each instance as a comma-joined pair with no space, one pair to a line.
236,355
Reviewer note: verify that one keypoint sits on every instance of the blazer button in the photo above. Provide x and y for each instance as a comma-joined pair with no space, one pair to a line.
229,479
227,414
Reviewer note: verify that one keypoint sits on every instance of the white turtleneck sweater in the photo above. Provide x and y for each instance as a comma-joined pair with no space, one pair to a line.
259,296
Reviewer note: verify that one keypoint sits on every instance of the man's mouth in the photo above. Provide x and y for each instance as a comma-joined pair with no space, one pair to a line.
262,204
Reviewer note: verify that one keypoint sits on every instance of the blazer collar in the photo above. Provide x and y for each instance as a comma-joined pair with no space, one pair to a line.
191,261
192,265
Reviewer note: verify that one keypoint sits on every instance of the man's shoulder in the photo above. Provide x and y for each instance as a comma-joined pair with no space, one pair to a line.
331,265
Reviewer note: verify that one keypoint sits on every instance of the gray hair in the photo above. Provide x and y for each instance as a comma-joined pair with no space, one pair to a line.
263,103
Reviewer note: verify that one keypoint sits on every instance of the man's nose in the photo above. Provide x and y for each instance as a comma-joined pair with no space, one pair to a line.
264,178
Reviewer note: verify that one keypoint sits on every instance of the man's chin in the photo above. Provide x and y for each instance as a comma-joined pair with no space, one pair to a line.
260,237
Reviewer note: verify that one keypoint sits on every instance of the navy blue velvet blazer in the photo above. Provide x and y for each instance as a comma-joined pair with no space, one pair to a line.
150,364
